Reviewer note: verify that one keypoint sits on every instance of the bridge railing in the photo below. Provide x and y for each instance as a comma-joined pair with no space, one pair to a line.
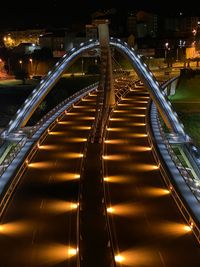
75,97
185,208
11,151
185,172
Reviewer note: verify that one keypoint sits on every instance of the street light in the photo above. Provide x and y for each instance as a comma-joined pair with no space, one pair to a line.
20,62
31,66
179,52
166,48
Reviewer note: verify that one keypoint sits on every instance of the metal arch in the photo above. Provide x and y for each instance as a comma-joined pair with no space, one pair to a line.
30,105
157,95
35,98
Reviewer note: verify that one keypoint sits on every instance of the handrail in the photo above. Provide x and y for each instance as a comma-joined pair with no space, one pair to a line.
13,151
183,207
61,105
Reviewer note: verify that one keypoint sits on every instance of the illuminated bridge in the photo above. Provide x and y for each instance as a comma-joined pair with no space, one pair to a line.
97,181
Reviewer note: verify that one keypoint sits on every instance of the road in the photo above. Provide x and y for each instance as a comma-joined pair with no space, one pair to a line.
147,226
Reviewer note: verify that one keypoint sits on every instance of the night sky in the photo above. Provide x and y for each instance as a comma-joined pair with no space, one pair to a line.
16,14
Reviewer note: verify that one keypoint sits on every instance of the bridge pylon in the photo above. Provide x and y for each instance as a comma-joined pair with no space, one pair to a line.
105,92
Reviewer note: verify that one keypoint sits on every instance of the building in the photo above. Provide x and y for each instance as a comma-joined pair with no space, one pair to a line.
147,24
132,23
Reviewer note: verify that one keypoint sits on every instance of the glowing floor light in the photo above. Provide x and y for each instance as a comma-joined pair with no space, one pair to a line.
119,258
110,210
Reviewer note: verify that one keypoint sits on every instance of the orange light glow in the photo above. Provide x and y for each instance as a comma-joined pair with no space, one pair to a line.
137,257
41,165
49,255
115,129
172,228
81,127
137,115
137,124
118,179
15,228
90,94
119,111
59,206
138,107
75,139
138,135
115,157
67,176
48,147
57,133
74,205
126,99
188,228
85,107
141,102
119,258
114,141
191,225
74,114
117,119
124,104
88,99
77,176
154,191
86,118
127,209
66,122
146,167
138,148
71,155
142,97
71,251
110,210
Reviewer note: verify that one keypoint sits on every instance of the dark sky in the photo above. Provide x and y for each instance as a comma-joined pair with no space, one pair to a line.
17,14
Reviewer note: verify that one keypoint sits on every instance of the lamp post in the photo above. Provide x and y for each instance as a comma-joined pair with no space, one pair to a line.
166,48
31,65
20,62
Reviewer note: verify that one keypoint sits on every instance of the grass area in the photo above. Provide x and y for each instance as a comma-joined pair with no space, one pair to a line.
191,122
187,96
187,104
9,82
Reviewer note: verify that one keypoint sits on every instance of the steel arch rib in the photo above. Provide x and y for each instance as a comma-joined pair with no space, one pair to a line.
30,105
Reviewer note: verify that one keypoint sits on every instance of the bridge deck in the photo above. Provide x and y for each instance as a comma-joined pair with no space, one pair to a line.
39,226
146,223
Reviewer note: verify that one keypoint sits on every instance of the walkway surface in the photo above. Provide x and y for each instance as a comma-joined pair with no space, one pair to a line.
39,226
147,225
